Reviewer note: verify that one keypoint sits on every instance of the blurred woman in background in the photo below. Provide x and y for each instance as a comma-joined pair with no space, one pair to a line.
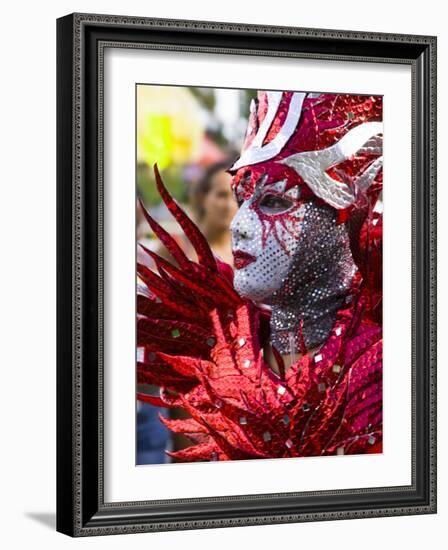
215,206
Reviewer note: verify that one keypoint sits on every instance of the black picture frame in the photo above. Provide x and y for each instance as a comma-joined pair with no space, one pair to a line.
81,510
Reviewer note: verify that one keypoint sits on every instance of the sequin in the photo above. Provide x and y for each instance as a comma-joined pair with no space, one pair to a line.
336,369
267,436
210,342
175,333
289,443
243,420
140,354
241,342
281,390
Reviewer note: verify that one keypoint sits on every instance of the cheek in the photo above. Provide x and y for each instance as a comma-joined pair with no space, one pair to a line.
233,207
275,259
261,279
282,231
273,245
288,232
228,206
210,202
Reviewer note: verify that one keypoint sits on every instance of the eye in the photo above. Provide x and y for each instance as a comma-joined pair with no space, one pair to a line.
273,204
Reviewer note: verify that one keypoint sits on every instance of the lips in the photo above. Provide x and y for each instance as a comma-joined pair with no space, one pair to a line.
242,259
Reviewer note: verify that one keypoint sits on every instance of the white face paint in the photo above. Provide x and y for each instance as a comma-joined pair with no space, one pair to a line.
265,235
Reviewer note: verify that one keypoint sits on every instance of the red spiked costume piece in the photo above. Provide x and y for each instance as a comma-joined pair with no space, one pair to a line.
202,343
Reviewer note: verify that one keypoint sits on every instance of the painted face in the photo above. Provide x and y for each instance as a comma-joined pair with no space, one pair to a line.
265,233
301,152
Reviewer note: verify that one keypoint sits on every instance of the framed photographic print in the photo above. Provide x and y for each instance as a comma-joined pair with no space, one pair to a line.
246,274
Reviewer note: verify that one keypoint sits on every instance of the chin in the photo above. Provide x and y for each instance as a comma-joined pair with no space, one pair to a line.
245,283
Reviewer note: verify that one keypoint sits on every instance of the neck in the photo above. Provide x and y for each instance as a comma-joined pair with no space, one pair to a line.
319,284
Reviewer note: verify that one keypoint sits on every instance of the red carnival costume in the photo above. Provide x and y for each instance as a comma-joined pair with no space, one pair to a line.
308,181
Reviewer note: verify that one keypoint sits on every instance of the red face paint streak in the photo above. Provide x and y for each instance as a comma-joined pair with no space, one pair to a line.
271,225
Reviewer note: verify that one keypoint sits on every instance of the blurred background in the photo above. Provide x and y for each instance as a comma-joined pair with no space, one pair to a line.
194,135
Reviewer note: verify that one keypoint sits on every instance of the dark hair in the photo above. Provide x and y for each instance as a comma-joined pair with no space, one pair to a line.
204,185
205,182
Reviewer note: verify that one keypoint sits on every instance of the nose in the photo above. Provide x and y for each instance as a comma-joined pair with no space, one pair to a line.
242,225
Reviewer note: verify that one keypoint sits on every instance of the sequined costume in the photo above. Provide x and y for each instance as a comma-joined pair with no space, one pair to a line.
307,243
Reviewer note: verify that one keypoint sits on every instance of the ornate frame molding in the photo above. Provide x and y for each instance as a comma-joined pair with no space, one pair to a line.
81,42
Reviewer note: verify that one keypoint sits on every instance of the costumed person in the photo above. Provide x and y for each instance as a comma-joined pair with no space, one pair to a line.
283,356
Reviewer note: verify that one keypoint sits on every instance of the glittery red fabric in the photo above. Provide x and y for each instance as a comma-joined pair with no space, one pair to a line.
203,345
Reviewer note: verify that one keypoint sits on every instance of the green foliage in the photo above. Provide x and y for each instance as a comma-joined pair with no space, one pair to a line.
205,96
146,185
246,98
